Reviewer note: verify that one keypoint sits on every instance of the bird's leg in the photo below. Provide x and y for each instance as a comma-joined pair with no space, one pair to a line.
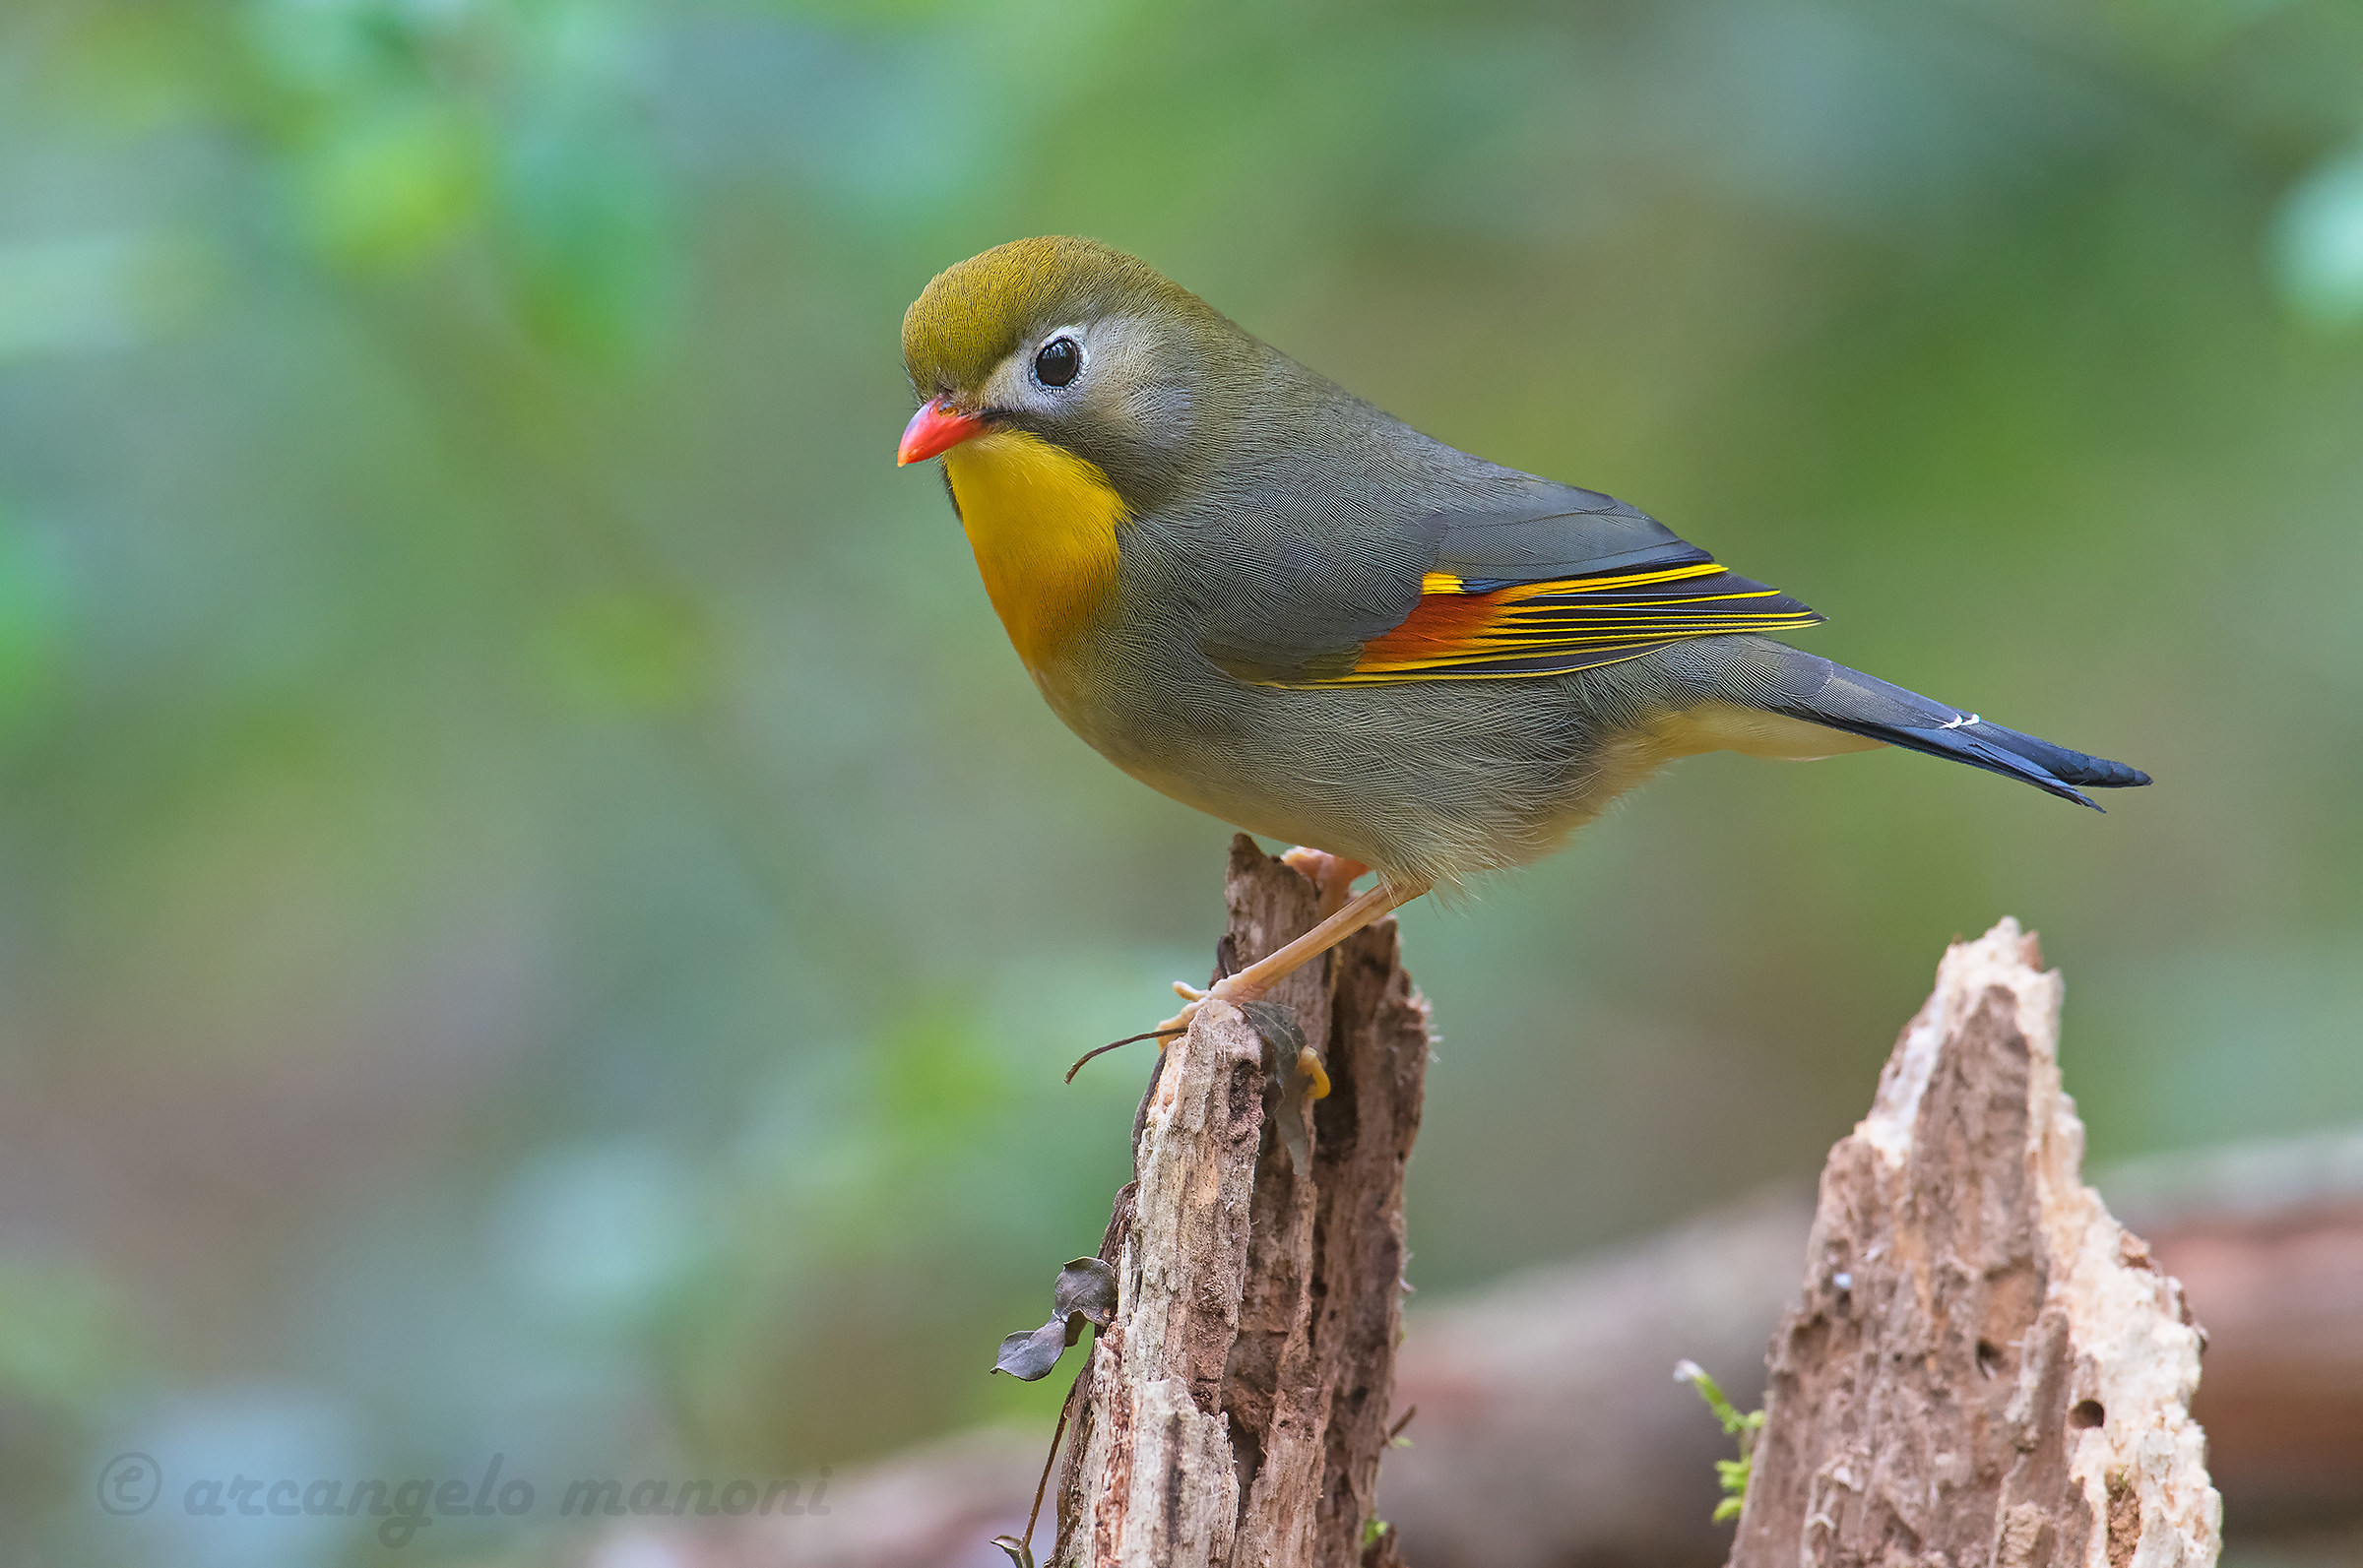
1265,972
1332,874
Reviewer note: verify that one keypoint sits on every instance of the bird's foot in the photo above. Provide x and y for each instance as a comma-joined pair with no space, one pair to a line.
1311,1073
1227,989
1179,1023
1332,874
1338,874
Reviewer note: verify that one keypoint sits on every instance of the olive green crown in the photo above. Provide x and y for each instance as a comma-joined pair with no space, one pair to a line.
970,318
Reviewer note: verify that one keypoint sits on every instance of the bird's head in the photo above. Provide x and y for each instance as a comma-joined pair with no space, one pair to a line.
1074,344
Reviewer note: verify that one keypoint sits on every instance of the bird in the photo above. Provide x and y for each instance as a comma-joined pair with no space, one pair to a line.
1269,599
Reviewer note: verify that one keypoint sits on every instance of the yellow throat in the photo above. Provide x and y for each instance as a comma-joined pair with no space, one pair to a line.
1042,522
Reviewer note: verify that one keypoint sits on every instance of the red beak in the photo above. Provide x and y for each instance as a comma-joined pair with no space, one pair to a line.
936,428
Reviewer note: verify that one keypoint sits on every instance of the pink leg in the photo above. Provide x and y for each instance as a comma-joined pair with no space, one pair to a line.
1262,975
1333,874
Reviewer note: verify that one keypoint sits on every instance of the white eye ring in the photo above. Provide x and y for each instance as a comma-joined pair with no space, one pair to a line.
1046,367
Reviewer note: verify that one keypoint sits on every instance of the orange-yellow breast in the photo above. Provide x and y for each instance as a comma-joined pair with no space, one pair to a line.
1043,523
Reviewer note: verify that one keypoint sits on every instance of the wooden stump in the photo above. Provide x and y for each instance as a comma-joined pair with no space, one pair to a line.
1234,1411
1985,1370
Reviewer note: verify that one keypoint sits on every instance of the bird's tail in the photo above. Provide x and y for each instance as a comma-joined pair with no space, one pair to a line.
1799,685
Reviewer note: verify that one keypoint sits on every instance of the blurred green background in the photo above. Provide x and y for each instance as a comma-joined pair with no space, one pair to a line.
539,912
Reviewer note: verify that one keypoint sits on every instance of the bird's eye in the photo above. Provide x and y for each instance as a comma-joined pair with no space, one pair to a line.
1058,362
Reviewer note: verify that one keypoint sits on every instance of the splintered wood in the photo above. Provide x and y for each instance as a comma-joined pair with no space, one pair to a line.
1985,1370
1234,1411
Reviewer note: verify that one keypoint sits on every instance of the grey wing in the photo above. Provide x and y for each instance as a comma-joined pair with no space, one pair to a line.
1297,606
1558,530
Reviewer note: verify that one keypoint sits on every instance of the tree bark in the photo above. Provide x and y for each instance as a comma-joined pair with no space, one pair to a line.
1986,1368
1551,1434
1234,1411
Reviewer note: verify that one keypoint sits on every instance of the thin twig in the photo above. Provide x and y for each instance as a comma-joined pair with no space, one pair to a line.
1133,1039
1057,1434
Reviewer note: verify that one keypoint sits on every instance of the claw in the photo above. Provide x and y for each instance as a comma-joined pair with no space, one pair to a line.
1196,999
1261,977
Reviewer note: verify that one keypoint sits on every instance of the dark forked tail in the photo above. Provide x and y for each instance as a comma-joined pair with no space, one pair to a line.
1805,686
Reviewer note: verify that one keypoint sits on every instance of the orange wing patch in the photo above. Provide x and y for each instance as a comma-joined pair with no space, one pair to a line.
1465,628
1445,620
